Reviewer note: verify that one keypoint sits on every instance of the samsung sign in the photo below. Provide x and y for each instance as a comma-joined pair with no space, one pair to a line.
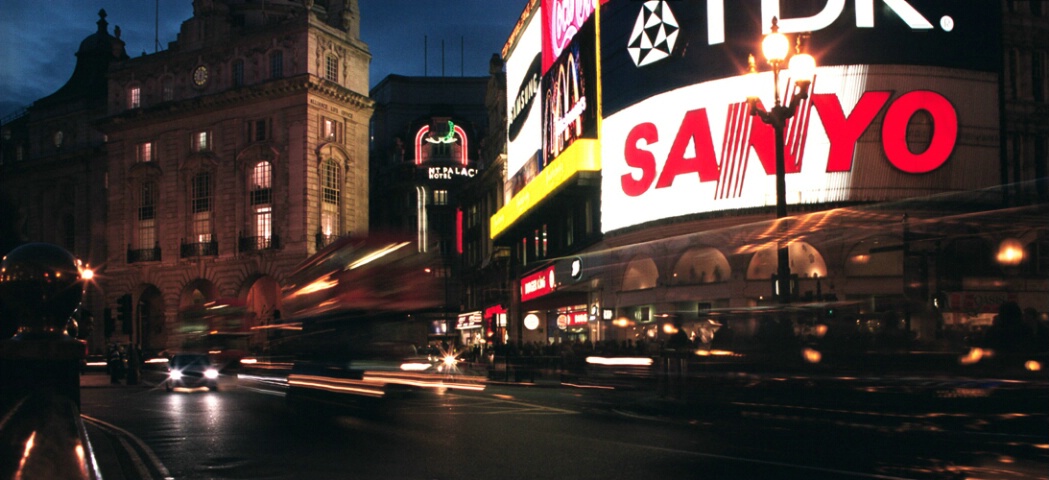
902,116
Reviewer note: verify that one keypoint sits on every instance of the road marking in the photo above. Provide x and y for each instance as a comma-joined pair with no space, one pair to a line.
481,406
123,436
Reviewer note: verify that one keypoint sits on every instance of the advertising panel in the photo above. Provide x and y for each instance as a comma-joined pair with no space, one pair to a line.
524,85
904,116
570,94
643,43
537,284
562,20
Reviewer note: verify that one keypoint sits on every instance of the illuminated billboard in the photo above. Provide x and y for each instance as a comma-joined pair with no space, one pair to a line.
570,94
524,86
562,20
896,109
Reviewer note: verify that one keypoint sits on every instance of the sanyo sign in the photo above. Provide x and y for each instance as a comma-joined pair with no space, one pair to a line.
831,12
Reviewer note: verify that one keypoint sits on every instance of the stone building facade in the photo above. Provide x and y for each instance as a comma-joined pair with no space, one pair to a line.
233,155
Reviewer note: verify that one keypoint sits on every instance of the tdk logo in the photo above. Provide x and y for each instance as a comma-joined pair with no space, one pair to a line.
656,27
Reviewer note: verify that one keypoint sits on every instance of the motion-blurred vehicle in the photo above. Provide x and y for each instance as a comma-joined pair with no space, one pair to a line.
191,370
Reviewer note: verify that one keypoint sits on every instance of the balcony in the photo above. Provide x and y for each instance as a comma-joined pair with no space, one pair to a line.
136,255
203,249
258,244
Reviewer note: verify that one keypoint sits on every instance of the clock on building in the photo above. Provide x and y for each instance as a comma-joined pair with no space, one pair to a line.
200,76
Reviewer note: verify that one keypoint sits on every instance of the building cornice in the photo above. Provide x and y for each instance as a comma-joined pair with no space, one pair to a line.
275,89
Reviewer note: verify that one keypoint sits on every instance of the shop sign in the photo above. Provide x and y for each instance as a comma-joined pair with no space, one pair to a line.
469,320
538,284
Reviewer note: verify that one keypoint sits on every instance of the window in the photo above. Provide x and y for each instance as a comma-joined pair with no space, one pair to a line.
145,152
331,72
261,184
330,197
258,130
147,214
69,232
202,141
201,204
331,130
168,89
134,97
440,197
277,64
238,73
263,226
1038,75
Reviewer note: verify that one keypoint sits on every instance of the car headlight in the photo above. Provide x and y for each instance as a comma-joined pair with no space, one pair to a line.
211,373
176,375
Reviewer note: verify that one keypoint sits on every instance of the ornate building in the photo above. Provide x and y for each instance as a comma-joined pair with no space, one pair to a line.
53,167
232,156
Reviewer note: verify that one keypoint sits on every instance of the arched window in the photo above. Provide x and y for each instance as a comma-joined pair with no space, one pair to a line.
640,274
331,68
331,196
701,265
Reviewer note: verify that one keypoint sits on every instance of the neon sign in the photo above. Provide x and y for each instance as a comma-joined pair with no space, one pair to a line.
538,284
455,134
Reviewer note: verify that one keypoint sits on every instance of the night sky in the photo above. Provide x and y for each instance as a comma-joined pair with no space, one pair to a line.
39,40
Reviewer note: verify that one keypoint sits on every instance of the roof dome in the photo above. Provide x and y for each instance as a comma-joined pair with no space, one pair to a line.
93,59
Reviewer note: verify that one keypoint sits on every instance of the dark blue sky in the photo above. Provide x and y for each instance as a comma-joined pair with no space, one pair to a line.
39,39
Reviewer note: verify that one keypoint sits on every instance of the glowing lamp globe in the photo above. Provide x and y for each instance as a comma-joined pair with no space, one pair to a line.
802,67
775,47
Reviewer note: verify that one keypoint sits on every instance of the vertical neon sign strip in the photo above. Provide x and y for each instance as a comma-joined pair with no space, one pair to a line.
459,231
419,136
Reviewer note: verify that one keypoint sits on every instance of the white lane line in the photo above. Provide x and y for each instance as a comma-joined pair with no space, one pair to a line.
123,435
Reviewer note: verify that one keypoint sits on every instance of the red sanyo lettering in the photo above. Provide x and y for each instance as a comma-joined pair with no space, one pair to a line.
842,131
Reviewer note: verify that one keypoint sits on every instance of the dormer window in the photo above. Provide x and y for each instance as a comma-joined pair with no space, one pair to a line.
331,72
202,141
144,152
134,97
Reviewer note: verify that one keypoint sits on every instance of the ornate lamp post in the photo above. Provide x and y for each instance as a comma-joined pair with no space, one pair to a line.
802,66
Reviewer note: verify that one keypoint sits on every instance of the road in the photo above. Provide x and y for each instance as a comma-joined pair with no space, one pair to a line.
513,432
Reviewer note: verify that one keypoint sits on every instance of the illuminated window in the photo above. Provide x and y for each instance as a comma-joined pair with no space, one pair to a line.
261,183
330,197
145,152
147,213
440,197
331,130
202,141
277,64
331,72
238,72
134,97
264,224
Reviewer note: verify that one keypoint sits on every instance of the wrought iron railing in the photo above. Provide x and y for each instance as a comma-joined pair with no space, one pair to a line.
202,249
135,255
257,244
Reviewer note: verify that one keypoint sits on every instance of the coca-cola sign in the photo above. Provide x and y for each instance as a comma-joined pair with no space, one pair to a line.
562,19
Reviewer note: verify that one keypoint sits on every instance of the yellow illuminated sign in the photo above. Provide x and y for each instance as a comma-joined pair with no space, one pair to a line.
584,155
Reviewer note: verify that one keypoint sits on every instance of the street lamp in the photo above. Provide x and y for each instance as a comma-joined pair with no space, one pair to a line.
776,47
